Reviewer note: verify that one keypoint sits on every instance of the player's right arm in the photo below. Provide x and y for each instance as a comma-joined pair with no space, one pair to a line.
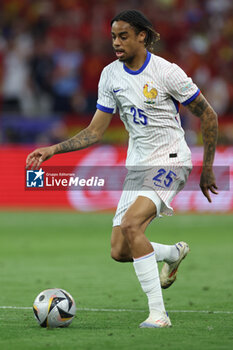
85,138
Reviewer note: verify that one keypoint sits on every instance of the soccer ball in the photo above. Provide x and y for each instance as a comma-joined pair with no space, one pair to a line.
54,308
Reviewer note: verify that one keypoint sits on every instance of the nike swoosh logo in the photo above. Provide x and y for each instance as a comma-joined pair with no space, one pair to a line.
116,90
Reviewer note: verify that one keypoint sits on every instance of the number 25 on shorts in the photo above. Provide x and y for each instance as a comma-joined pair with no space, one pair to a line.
164,177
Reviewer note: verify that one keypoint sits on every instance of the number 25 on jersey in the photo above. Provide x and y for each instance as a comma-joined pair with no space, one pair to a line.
138,116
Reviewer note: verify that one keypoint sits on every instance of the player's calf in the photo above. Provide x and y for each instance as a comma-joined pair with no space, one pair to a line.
119,247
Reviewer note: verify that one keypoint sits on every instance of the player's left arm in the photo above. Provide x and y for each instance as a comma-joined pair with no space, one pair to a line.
209,127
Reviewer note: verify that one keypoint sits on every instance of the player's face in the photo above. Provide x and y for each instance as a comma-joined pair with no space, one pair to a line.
126,43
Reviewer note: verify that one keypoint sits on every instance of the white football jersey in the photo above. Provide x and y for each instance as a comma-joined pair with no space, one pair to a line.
148,103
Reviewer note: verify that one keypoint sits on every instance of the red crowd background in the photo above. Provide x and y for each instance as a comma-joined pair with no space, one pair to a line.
52,53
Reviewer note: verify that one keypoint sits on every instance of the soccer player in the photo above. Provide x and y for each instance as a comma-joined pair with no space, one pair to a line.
146,90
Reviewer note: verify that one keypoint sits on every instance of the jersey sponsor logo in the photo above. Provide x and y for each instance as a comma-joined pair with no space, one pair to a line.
150,93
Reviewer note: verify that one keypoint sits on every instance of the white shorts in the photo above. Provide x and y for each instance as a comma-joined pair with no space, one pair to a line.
159,184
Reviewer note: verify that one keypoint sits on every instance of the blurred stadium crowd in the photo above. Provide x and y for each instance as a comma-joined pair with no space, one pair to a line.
52,53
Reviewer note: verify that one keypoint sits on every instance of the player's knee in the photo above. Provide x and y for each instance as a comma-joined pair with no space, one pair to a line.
117,255
129,226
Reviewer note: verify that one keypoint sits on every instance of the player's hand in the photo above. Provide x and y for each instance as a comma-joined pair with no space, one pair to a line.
38,156
208,182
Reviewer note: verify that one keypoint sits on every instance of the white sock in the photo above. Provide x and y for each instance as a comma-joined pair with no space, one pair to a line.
146,269
167,253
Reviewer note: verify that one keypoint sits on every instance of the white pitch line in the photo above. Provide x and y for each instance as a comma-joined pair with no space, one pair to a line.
16,307
126,310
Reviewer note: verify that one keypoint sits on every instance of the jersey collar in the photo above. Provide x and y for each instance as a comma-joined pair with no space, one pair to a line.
135,72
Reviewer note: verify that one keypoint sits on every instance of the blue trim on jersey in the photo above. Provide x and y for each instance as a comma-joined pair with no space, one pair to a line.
185,103
104,109
135,72
176,103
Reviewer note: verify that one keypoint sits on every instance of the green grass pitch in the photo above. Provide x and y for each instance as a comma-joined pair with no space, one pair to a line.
72,251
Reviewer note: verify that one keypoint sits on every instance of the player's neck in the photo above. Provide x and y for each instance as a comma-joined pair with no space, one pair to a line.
137,61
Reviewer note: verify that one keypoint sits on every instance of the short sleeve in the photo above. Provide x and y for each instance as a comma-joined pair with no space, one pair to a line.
180,86
106,101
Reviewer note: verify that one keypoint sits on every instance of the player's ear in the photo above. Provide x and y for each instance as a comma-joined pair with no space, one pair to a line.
142,36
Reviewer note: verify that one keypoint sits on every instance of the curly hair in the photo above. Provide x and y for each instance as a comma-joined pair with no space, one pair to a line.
140,23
